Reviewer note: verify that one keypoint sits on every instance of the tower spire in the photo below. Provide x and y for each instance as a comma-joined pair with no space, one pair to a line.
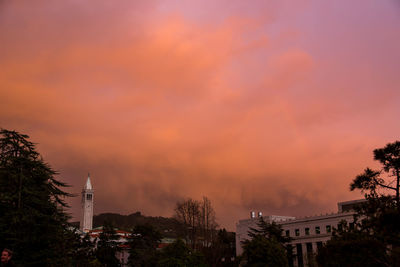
88,183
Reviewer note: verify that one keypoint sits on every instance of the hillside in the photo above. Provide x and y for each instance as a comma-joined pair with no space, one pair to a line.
169,227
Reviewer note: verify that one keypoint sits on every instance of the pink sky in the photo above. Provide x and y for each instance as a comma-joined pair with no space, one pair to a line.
269,105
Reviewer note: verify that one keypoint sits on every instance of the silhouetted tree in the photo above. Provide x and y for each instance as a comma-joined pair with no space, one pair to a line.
261,251
198,220
178,254
222,251
107,246
143,244
380,215
352,247
83,250
388,177
33,221
374,239
266,246
269,230
188,213
207,222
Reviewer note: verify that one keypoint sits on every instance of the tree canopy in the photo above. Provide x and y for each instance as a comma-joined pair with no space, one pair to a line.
198,220
33,220
178,254
107,246
143,244
380,215
374,240
266,246
351,246
386,178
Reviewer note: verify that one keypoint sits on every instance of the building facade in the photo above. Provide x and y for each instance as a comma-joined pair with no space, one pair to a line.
308,234
86,223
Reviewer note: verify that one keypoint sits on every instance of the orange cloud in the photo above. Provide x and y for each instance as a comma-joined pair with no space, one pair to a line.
159,106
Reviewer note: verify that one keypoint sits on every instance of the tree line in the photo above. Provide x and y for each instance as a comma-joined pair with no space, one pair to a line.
34,222
143,246
169,226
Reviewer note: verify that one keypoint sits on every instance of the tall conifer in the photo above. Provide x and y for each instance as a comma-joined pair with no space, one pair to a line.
33,220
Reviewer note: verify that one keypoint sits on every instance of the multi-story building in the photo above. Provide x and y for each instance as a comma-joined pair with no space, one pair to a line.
308,234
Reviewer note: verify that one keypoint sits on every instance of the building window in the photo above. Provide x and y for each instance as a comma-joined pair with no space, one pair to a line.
287,232
297,232
89,196
328,229
317,230
307,231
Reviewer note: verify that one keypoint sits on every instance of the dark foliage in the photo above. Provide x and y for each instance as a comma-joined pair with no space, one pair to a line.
107,246
261,251
267,246
352,247
388,178
222,251
143,246
271,231
33,221
83,250
178,254
374,240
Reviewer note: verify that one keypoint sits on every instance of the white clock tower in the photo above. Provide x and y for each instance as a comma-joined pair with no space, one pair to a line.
86,223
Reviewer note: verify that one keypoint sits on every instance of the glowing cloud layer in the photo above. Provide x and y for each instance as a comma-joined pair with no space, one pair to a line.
271,107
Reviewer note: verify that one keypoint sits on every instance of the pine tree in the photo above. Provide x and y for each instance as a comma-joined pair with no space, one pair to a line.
33,220
374,238
266,246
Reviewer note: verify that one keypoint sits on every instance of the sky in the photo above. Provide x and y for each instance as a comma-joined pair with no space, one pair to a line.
271,106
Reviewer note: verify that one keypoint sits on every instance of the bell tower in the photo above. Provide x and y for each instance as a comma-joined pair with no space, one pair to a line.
86,223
